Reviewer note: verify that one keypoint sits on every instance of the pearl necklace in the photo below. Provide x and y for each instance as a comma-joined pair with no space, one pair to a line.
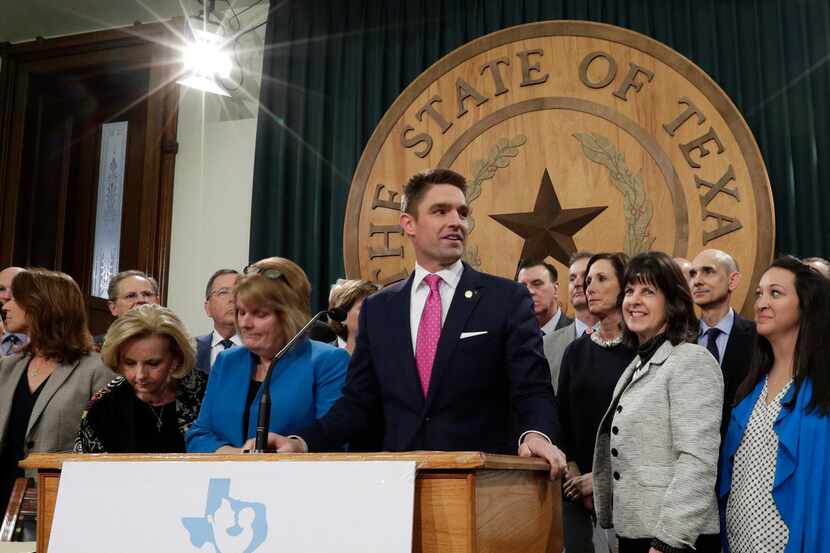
607,344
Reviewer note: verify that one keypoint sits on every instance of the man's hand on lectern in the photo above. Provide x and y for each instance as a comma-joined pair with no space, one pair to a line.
274,443
535,445
288,444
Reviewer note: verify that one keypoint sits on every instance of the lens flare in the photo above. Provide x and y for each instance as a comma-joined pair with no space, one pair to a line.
205,59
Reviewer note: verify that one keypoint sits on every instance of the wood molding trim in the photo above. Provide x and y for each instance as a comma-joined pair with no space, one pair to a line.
425,460
142,46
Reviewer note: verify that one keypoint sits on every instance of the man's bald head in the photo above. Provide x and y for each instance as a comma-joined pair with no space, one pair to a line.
686,268
715,276
6,277
719,256
819,264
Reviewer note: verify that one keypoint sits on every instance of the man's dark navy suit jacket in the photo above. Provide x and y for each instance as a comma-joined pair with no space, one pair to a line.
484,389
203,346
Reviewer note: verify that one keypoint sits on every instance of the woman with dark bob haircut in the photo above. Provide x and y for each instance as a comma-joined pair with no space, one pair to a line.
655,460
45,386
774,488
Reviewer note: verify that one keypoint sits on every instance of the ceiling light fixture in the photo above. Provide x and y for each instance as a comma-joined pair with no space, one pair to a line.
211,54
206,60
206,63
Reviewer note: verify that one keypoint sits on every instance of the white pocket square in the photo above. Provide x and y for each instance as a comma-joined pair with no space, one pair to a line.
471,334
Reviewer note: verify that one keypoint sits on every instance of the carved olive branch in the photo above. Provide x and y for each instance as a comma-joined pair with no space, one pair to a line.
638,209
501,154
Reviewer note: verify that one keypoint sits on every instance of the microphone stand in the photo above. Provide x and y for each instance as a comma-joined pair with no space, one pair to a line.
264,416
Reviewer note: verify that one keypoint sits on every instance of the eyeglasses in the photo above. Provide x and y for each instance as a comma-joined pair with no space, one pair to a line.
271,274
132,296
223,292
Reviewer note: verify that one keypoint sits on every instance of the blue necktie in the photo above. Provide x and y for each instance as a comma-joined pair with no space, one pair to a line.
8,344
712,342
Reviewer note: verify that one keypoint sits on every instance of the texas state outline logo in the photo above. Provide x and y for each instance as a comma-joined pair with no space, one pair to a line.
229,525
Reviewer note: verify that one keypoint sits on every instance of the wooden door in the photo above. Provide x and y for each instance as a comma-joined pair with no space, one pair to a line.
57,97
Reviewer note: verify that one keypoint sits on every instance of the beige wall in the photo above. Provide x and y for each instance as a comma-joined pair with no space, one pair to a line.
212,187
211,204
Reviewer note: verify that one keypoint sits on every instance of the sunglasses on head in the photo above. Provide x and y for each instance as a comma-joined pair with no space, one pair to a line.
271,274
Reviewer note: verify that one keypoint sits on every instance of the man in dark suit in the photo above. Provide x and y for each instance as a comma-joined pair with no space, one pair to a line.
449,355
542,281
729,337
220,308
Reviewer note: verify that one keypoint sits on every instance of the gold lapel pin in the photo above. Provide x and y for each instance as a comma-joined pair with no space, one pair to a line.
468,294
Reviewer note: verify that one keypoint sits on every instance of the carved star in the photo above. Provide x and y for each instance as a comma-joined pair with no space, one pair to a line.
548,230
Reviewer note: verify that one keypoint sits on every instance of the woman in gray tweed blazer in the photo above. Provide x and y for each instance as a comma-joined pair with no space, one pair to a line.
655,460
45,386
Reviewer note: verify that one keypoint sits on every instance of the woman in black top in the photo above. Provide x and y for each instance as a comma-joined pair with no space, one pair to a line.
590,368
45,385
148,408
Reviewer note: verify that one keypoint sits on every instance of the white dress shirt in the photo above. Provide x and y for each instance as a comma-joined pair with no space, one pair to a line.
420,292
9,341
216,346
581,327
550,326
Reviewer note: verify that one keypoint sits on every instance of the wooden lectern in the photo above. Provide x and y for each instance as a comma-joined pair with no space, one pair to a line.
465,502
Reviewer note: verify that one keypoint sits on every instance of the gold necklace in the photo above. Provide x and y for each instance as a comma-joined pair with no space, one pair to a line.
35,369
158,414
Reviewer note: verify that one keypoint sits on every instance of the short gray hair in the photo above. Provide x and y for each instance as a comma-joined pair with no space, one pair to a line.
112,288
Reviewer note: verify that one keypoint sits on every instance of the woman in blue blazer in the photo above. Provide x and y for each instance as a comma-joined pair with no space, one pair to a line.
272,304
774,488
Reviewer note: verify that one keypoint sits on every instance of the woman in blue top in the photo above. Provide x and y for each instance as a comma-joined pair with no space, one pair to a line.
272,304
774,487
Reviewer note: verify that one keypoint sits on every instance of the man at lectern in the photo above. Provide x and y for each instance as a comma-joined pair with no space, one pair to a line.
453,357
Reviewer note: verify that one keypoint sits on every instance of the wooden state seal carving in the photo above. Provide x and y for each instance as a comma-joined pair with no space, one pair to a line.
573,136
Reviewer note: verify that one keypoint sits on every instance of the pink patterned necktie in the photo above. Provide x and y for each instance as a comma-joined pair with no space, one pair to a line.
429,331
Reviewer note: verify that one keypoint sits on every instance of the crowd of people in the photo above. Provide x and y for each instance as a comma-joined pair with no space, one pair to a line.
673,423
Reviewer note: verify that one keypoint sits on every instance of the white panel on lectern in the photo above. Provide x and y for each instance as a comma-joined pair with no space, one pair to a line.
227,507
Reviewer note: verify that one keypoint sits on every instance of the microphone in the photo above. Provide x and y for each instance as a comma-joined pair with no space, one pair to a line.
264,418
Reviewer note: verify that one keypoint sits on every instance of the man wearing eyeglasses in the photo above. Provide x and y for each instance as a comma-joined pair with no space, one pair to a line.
129,289
126,290
220,308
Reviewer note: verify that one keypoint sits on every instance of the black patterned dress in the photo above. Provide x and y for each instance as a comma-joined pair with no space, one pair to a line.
117,421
